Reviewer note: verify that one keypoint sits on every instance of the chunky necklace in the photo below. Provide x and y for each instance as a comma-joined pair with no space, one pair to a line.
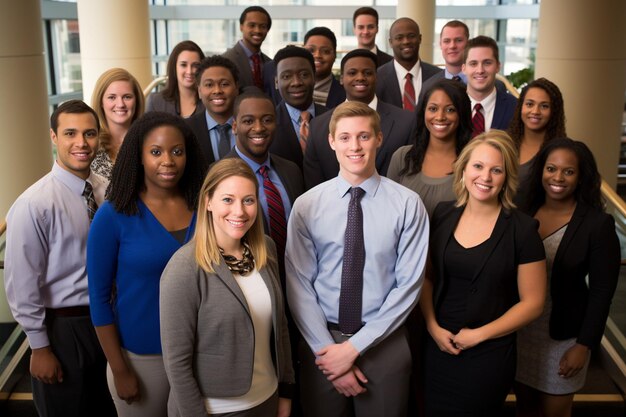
242,266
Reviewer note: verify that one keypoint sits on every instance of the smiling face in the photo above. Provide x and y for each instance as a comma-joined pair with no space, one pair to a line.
481,68
187,65
233,208
536,109
119,103
254,128
452,43
218,91
560,175
295,81
365,30
76,140
359,79
323,54
163,158
484,174
355,144
441,117
254,30
405,40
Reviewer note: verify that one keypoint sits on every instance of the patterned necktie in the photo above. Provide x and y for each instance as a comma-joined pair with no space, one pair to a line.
256,70
351,295
92,206
478,121
305,118
408,99
457,78
276,211
223,146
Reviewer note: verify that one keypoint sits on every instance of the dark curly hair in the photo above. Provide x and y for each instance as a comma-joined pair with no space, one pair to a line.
556,125
217,61
127,179
170,92
589,180
455,90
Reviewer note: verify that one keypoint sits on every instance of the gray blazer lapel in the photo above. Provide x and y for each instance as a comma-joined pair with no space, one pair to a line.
227,278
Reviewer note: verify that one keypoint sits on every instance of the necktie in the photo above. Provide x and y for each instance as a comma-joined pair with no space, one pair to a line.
408,99
457,78
351,295
223,147
305,118
478,121
276,211
256,71
92,206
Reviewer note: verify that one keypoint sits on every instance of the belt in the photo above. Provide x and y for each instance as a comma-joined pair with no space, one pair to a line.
74,311
335,327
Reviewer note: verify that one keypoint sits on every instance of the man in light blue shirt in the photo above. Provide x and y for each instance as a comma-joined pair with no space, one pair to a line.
366,370
46,276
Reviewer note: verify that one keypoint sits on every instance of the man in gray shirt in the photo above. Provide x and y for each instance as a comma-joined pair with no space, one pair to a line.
46,276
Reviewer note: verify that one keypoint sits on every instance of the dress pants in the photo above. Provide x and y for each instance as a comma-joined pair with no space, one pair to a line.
387,367
83,391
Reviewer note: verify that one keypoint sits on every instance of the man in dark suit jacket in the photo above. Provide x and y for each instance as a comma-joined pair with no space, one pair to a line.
254,24
365,27
322,43
218,86
295,80
481,64
358,76
405,39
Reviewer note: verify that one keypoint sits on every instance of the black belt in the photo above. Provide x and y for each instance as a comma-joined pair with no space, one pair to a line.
335,327
74,311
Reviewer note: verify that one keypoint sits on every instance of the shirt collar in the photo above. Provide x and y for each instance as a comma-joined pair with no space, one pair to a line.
74,183
253,164
370,185
488,103
449,75
295,113
211,123
248,52
402,72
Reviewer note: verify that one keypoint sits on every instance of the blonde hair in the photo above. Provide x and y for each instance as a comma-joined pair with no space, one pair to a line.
354,109
104,81
502,142
207,250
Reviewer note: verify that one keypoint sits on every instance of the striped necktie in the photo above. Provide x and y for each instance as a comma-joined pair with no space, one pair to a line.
276,211
408,99
478,121
303,134
92,206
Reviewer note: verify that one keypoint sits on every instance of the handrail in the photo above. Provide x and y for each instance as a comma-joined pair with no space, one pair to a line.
3,227
613,198
154,83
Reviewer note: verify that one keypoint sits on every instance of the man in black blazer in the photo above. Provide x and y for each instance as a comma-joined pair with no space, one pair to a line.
405,39
218,86
322,43
481,64
358,76
365,27
295,80
254,24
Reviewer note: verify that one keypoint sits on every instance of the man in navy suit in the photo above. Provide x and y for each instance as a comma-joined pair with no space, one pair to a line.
254,24
218,86
365,26
295,80
358,76
322,43
406,70
481,63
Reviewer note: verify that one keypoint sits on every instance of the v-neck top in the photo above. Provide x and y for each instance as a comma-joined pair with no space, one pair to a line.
125,258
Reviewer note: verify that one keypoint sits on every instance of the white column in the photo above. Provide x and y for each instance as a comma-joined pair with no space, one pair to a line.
581,47
423,12
114,33
25,150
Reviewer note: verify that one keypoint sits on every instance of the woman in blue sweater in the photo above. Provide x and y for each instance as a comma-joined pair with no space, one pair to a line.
149,215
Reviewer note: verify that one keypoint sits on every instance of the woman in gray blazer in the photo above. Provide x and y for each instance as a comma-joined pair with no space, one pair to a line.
223,327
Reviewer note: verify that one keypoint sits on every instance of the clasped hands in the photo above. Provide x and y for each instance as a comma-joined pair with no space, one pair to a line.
336,361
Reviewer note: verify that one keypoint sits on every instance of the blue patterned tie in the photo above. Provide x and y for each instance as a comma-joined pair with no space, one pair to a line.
351,296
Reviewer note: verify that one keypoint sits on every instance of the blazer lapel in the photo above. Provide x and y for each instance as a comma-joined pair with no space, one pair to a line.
502,223
386,125
227,278
570,232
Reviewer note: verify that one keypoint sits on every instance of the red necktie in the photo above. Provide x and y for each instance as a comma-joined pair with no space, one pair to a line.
478,121
408,99
276,211
256,71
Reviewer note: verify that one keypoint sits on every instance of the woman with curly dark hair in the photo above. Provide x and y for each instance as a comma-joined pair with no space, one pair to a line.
538,118
180,95
149,215
580,241
444,118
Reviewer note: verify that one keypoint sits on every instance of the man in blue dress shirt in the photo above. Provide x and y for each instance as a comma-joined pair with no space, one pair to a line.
46,276
363,371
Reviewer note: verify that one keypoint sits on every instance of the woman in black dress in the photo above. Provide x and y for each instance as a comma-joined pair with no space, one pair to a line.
486,279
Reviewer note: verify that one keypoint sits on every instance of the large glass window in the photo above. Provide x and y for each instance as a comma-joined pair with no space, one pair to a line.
66,76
